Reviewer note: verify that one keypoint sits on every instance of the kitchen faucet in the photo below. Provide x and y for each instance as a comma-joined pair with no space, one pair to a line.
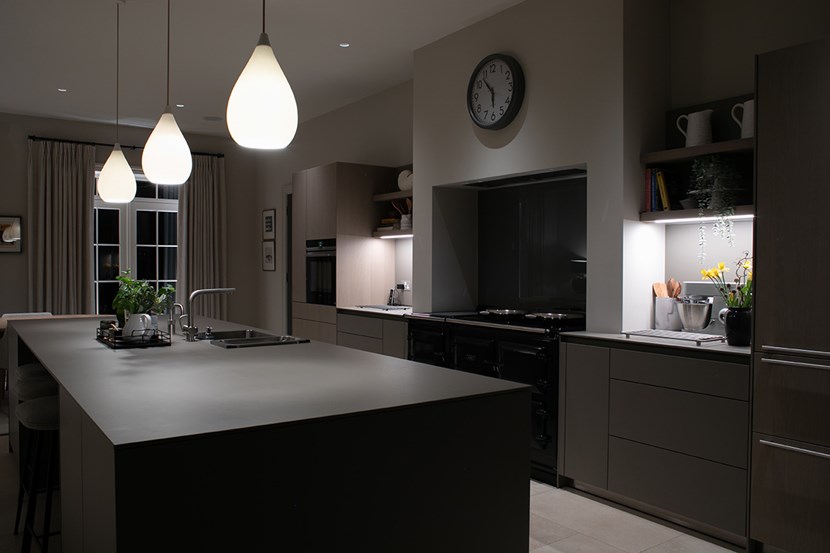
190,329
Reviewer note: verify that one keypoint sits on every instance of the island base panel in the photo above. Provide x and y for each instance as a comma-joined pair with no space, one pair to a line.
443,477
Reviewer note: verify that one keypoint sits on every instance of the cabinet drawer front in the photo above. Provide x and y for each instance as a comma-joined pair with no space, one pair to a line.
364,343
394,338
791,399
789,503
303,310
362,326
717,378
701,490
327,314
327,333
709,427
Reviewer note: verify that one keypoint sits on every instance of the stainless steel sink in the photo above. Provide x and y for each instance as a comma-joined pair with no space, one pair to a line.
251,338
227,334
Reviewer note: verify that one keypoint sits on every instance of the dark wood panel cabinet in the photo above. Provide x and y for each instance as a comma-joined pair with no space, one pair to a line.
702,490
694,424
790,488
792,195
790,484
583,413
662,429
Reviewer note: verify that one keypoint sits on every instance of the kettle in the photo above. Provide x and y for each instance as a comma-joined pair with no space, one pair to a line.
137,326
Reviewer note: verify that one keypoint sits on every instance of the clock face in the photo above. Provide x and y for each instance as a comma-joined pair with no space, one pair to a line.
495,92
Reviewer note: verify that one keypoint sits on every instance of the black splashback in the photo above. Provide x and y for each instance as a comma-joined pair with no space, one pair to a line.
530,241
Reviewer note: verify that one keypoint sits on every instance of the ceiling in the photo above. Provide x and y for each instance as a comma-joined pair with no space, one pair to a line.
71,44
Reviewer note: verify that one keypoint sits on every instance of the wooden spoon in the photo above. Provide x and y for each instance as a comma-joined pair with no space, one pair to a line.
660,289
673,288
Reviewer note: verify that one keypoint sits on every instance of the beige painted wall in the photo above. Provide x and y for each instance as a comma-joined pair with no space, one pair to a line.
376,131
572,115
714,42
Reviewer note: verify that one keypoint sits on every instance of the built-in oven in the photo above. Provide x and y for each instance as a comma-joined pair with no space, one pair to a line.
321,271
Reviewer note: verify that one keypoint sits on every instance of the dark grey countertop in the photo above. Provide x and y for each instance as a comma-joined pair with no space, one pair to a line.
192,388
716,347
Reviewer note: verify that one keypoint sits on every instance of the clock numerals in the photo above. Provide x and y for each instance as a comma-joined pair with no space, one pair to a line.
495,91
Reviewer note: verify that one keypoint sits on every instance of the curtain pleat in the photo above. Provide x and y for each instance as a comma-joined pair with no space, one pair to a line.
60,227
202,232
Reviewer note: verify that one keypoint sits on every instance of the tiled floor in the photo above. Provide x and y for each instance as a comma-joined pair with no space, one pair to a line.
563,521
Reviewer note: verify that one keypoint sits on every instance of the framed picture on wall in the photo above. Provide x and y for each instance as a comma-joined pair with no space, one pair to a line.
10,234
268,222
269,262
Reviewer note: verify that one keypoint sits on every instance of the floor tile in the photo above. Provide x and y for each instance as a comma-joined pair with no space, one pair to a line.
578,543
547,531
615,527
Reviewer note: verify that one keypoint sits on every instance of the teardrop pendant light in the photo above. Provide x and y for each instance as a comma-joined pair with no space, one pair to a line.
262,110
116,183
166,158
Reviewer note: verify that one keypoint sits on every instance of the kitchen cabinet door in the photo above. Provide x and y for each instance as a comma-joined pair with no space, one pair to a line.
583,413
321,198
792,195
790,486
298,201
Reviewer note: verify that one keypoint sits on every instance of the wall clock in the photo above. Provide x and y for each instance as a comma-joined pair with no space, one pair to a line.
495,91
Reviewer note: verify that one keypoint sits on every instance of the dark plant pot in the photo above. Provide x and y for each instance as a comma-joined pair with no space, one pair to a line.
738,324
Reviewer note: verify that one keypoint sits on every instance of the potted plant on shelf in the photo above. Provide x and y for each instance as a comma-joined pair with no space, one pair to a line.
715,185
139,297
737,315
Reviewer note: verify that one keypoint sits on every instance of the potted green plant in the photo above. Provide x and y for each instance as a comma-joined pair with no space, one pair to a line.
715,185
138,296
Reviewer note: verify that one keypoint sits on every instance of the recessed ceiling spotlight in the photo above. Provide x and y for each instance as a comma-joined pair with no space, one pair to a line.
61,90
344,44
179,105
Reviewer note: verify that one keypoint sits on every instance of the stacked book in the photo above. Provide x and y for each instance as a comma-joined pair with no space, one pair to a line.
389,223
657,194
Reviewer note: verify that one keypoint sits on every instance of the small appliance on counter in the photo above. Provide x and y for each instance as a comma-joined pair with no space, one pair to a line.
705,288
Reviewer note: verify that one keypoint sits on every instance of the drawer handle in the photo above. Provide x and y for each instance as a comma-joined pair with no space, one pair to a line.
795,364
796,449
795,351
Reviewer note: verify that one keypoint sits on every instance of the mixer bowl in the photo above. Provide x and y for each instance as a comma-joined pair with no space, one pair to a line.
695,316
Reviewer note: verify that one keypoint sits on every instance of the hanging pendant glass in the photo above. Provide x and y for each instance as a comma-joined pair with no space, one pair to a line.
262,110
116,183
166,157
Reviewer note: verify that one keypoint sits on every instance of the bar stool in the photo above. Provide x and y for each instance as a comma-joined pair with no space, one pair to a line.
31,370
38,473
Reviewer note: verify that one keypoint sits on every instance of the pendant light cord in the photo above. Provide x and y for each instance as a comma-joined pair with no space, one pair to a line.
263,16
168,53
117,56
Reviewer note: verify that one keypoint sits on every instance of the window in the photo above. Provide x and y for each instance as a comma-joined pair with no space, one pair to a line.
139,236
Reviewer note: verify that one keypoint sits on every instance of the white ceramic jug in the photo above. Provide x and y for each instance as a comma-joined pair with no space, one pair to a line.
137,325
698,127
747,120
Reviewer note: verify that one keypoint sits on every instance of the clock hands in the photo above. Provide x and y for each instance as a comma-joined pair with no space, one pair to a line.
492,94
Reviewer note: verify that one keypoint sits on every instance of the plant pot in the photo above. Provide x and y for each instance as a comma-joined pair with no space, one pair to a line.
738,323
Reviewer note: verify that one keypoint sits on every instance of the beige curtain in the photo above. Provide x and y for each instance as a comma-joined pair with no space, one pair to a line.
202,236
59,227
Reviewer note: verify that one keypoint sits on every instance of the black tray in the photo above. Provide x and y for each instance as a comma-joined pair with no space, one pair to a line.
113,338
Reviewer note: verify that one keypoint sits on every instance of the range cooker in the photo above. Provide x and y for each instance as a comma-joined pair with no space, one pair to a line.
506,344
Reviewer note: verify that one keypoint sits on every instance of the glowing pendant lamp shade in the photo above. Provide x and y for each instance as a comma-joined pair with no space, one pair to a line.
166,157
262,111
116,183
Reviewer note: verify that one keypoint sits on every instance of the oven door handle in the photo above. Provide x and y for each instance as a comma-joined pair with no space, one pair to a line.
321,254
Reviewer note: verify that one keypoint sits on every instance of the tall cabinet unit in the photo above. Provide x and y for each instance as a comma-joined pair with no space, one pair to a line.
790,482
334,201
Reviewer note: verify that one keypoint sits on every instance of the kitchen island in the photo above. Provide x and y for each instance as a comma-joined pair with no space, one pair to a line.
301,447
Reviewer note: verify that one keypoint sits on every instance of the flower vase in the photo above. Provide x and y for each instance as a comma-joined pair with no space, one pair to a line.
738,323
